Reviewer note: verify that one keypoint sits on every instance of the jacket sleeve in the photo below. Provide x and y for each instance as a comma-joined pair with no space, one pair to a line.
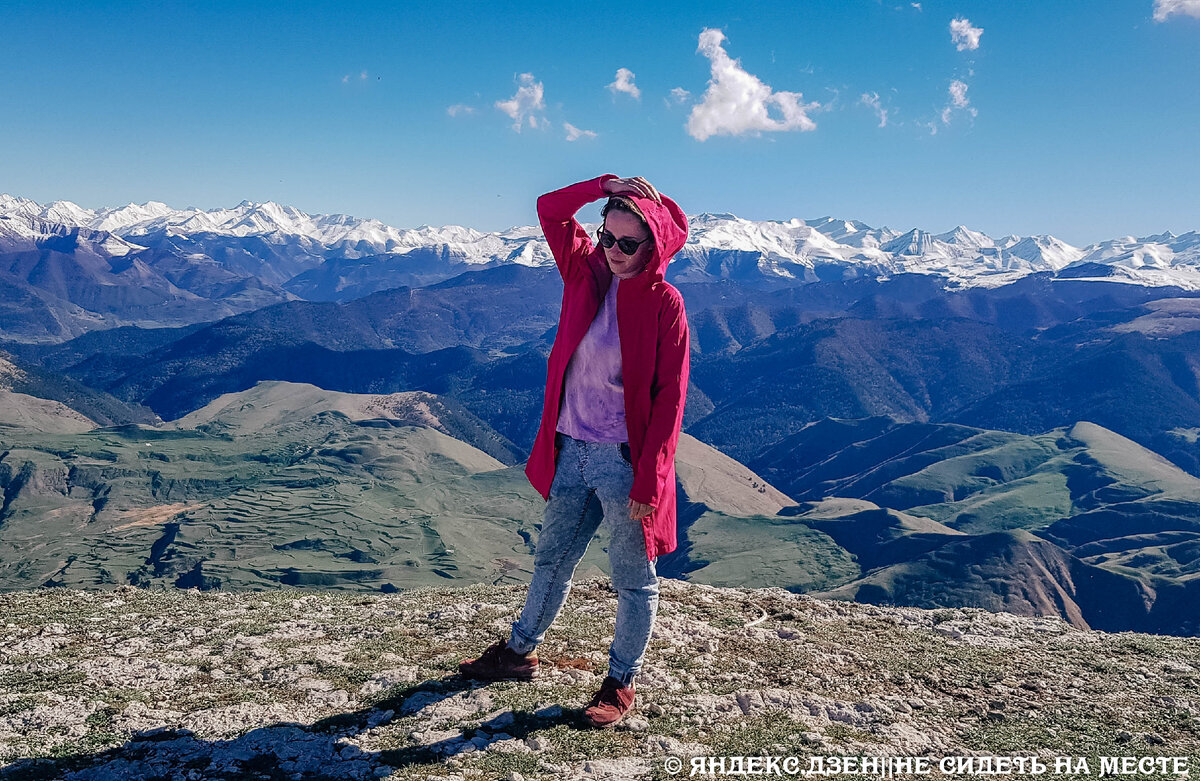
668,392
569,242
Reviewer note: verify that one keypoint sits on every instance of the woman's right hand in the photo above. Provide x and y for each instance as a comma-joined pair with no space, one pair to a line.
635,185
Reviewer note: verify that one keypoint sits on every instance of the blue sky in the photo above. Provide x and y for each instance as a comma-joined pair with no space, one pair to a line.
1075,119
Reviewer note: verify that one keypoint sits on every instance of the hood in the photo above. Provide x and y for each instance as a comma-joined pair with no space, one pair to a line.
669,225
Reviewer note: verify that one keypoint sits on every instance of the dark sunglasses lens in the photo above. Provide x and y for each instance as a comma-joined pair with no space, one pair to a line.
628,246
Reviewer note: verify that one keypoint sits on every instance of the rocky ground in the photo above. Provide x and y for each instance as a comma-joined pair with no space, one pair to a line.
149,684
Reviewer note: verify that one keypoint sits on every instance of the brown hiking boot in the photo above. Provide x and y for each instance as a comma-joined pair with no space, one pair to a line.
500,663
610,704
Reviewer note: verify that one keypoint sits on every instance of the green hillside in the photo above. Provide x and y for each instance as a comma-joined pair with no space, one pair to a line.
287,484
258,499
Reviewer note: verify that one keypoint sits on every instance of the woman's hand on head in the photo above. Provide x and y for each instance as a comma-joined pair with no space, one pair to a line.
634,186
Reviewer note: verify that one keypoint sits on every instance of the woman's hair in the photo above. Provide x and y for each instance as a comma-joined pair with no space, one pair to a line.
624,203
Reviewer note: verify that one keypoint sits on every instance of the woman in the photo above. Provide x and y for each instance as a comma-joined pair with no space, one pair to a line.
616,385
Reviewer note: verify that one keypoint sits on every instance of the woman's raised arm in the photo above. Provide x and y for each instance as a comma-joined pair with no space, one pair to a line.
569,242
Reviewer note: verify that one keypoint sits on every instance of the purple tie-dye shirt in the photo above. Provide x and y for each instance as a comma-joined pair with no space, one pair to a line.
593,402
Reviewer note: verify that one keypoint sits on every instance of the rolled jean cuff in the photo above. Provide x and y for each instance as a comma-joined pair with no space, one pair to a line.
624,676
518,643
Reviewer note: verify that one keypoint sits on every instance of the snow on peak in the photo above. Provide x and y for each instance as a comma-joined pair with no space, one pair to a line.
963,236
1043,252
115,219
791,249
837,229
916,243
67,213
18,207
714,217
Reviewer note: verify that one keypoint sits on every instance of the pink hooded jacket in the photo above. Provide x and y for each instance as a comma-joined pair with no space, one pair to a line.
655,354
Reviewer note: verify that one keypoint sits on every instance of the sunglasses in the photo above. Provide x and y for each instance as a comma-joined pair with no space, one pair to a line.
626,245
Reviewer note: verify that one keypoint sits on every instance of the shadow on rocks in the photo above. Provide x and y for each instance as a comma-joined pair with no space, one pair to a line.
315,752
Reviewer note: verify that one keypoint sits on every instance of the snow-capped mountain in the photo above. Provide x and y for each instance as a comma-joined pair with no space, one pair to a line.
1162,252
720,246
1046,250
279,224
27,226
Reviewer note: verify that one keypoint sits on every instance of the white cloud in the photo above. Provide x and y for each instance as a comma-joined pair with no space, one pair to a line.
958,94
522,105
624,83
460,108
737,102
574,133
964,35
958,100
1165,8
831,104
916,6
872,100
363,75
678,97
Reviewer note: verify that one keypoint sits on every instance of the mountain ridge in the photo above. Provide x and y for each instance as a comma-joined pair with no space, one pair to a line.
789,250
288,484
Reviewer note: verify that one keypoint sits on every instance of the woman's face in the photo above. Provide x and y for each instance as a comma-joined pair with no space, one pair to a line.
625,225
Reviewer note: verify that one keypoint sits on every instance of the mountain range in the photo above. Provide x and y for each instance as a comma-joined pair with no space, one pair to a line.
65,270
254,397
288,484
790,249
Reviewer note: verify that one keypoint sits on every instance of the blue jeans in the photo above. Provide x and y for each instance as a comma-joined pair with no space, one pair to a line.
587,472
